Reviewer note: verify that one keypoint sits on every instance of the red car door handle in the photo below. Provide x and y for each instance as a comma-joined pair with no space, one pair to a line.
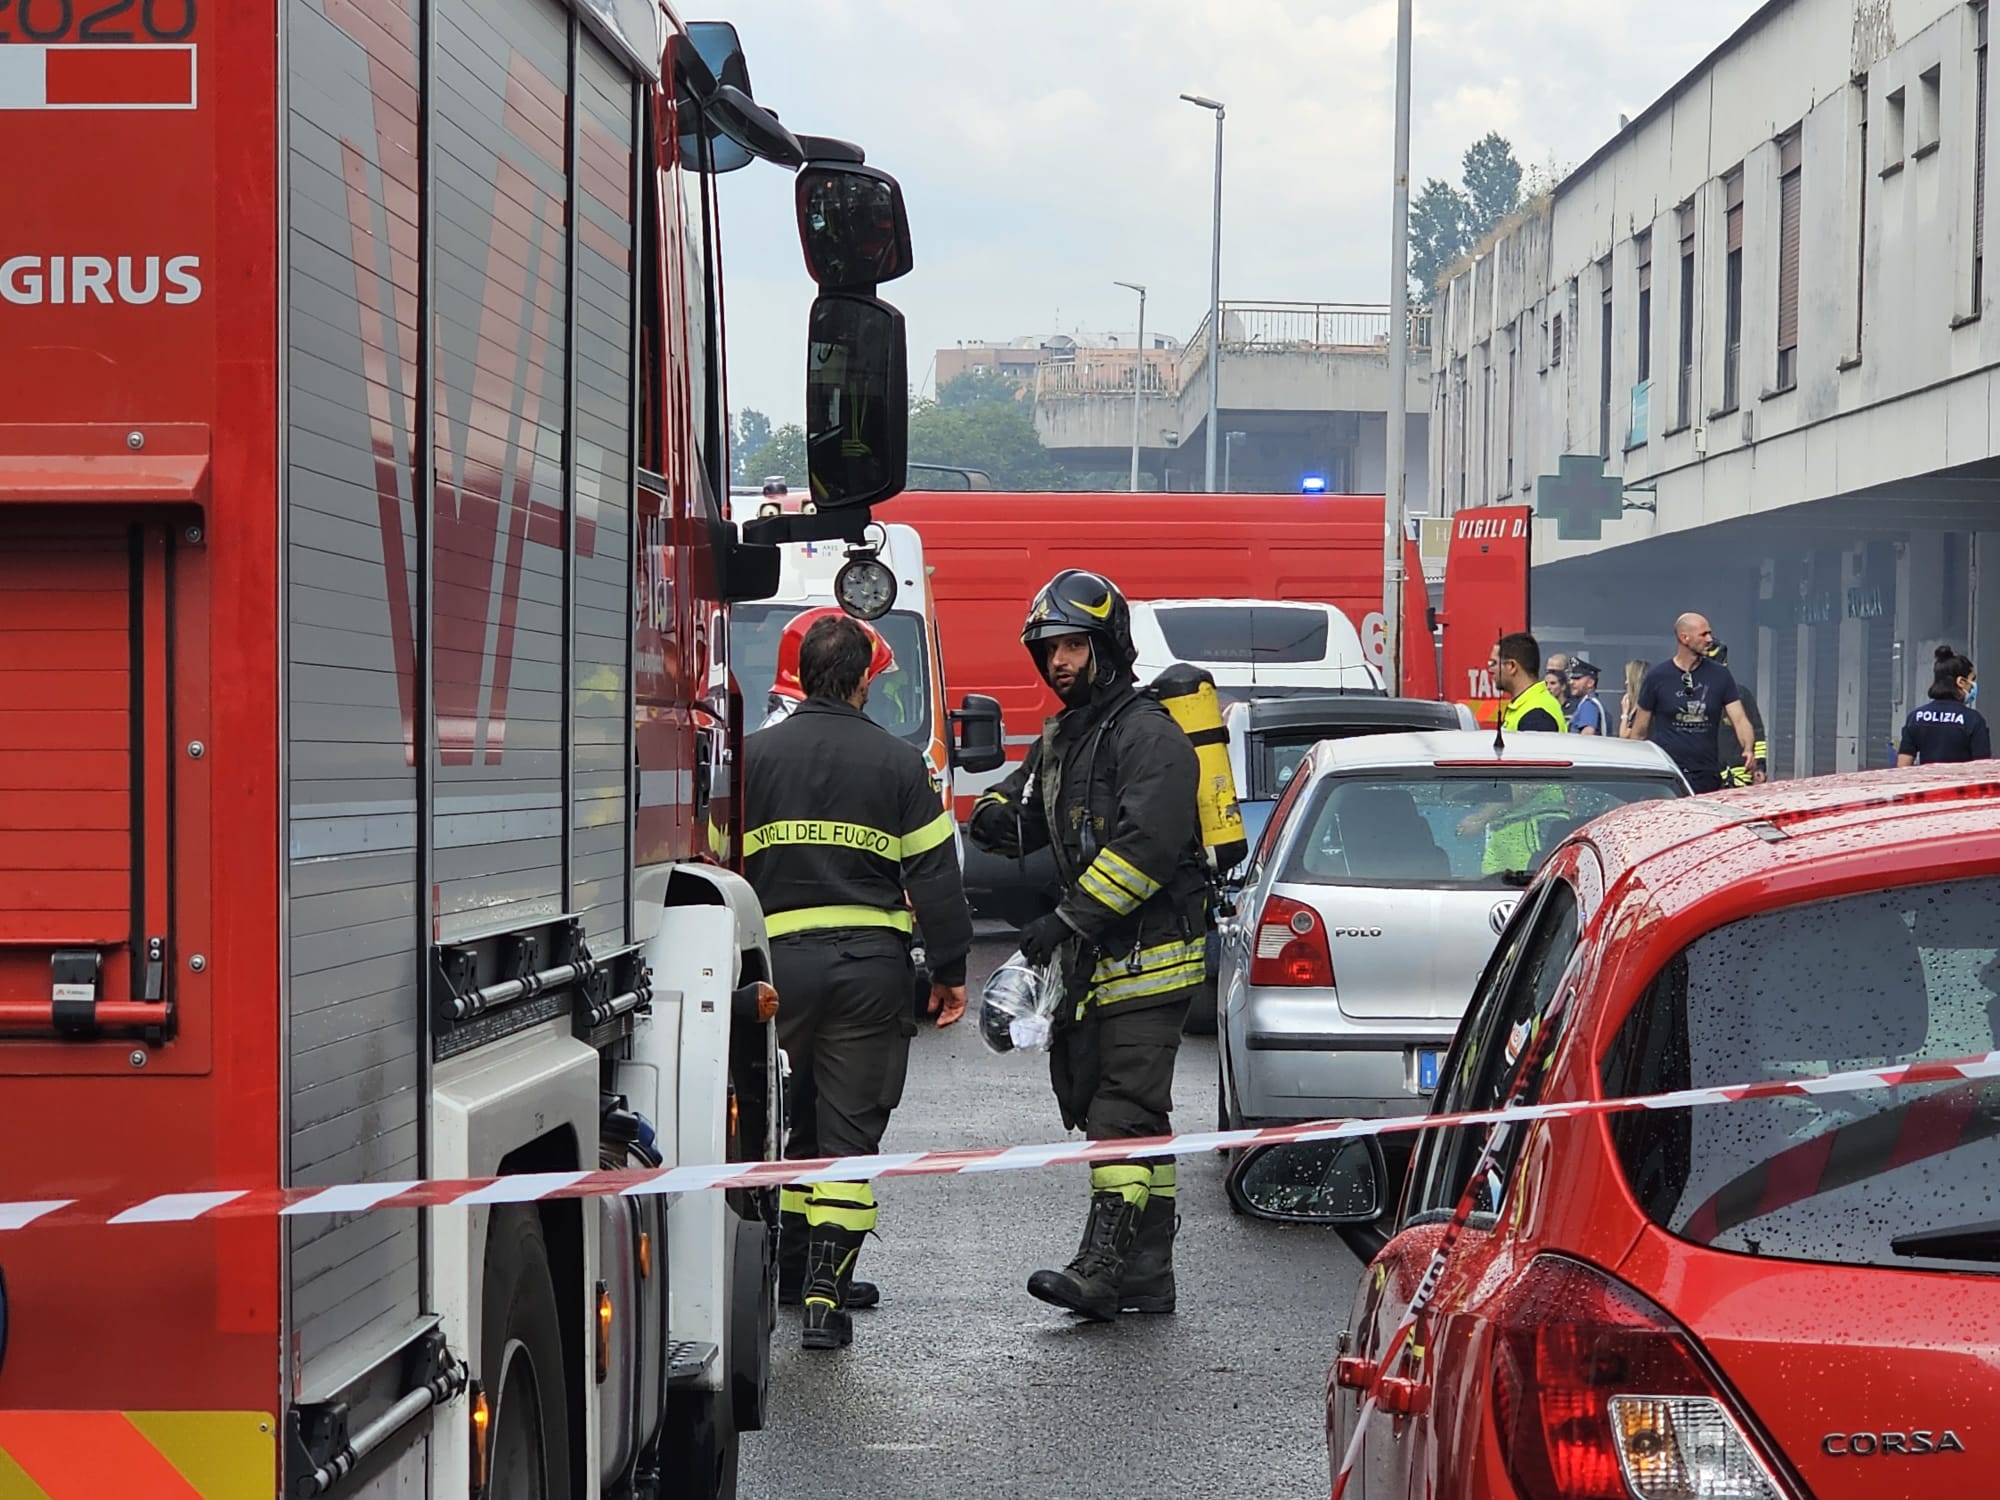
1354,1374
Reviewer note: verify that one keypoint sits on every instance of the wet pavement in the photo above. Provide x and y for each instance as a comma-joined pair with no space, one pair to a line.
961,1385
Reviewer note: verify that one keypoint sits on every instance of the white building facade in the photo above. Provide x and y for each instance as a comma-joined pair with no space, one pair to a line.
1763,308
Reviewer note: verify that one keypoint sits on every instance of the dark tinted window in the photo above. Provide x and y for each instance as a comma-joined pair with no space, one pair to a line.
1865,981
1438,828
1486,1071
899,701
1244,633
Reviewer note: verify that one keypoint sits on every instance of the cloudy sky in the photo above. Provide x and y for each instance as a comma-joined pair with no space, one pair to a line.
1044,151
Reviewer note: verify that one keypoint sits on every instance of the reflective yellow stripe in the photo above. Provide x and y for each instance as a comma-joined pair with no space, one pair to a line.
1165,955
991,799
1166,1180
857,836
841,1205
1182,976
813,918
1121,901
1127,874
792,1200
1132,1183
64,1455
938,831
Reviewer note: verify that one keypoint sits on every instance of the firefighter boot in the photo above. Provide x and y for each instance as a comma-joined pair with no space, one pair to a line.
1090,1284
1149,1269
830,1255
792,1262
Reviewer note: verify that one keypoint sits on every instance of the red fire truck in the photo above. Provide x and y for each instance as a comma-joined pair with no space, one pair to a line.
367,742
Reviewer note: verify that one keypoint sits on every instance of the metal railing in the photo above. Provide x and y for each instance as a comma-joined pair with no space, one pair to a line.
1084,376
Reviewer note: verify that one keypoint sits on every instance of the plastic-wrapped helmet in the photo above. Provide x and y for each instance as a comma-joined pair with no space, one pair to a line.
787,684
1076,602
1010,995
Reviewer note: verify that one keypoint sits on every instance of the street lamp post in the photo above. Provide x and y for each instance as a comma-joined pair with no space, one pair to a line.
1229,443
1396,426
1214,287
1138,376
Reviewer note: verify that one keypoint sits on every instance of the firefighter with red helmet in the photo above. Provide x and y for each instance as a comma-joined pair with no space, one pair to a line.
845,836
1111,788
787,692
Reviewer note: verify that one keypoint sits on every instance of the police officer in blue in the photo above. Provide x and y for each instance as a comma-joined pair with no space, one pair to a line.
1947,728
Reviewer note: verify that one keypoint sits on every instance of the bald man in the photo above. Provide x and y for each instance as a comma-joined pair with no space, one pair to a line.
1682,703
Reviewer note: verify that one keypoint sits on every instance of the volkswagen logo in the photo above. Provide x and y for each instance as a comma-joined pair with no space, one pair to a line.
1502,910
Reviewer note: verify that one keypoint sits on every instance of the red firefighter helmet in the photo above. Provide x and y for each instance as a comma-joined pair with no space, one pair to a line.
787,684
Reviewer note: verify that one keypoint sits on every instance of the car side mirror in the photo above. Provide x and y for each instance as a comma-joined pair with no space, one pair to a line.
976,738
852,225
1310,1182
857,401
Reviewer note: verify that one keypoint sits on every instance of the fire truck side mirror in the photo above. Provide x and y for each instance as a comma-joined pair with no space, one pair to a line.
749,572
976,743
857,401
852,225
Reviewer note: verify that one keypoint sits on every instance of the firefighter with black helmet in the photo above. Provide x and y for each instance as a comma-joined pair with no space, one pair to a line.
1727,754
1111,787
843,823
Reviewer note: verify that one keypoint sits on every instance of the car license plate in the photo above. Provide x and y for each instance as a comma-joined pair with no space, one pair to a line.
1429,1061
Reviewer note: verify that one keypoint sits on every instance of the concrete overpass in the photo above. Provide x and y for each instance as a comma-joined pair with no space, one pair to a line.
1304,386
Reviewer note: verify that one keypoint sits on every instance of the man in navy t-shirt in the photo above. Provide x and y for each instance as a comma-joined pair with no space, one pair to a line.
1682,703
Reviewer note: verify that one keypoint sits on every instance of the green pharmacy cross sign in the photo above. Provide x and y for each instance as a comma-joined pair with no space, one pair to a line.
1580,496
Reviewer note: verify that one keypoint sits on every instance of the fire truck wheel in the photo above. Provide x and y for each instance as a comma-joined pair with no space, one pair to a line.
521,1362
753,1319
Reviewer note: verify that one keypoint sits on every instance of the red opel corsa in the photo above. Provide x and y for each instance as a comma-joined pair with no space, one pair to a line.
1793,1298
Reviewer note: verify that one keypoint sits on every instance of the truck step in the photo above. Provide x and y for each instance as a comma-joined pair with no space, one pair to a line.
688,1360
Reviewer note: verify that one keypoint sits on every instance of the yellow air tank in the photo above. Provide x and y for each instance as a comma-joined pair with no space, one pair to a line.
1188,693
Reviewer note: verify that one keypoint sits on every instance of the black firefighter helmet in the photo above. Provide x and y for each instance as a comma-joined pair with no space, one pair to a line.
1075,602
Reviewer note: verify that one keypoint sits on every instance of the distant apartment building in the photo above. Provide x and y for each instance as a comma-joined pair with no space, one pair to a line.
1739,361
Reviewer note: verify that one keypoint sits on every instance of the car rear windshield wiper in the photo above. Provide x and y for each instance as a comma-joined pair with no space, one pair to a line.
1961,1242
1518,877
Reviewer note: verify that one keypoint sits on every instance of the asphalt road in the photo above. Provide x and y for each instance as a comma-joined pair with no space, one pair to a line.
962,1385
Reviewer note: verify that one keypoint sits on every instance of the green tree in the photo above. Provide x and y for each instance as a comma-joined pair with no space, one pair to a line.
978,389
782,452
1437,233
984,422
1492,183
1446,221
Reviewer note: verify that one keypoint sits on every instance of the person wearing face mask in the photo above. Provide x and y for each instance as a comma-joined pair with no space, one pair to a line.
1111,789
1948,727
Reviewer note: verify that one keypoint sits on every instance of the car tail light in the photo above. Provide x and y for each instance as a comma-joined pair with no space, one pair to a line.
1291,946
1600,1395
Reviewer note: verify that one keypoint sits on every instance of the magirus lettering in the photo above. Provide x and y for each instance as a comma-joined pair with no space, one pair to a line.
78,280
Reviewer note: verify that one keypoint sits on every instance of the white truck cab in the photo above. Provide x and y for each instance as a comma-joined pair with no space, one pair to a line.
1254,648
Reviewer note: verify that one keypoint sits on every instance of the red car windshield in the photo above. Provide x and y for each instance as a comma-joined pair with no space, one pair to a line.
1892,1178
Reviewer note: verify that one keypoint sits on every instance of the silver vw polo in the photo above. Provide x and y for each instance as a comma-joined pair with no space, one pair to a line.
1373,898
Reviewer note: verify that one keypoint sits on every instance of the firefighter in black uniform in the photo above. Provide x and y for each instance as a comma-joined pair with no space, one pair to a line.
1728,750
1111,787
842,823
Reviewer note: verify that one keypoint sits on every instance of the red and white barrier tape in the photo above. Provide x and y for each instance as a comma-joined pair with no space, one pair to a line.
362,1197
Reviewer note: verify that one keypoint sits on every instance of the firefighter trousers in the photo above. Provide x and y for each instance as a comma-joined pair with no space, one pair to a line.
845,1022
1113,1072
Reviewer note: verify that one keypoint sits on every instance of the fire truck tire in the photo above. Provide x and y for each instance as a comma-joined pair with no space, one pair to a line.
521,1362
701,1446
753,1320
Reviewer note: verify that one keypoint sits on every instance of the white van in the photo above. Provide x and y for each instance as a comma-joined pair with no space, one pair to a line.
1254,648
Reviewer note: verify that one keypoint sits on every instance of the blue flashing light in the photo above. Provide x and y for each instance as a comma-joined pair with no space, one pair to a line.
1313,484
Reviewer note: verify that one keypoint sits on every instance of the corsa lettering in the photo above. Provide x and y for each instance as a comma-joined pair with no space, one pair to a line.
1884,1444
58,280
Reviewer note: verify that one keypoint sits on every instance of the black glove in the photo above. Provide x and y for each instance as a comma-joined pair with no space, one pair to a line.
1041,937
996,829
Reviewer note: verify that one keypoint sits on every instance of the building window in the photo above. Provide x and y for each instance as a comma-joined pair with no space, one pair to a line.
1859,92
1927,112
1645,248
1556,339
1979,166
1604,362
1486,434
1892,135
1513,396
1788,261
1732,288
1684,395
